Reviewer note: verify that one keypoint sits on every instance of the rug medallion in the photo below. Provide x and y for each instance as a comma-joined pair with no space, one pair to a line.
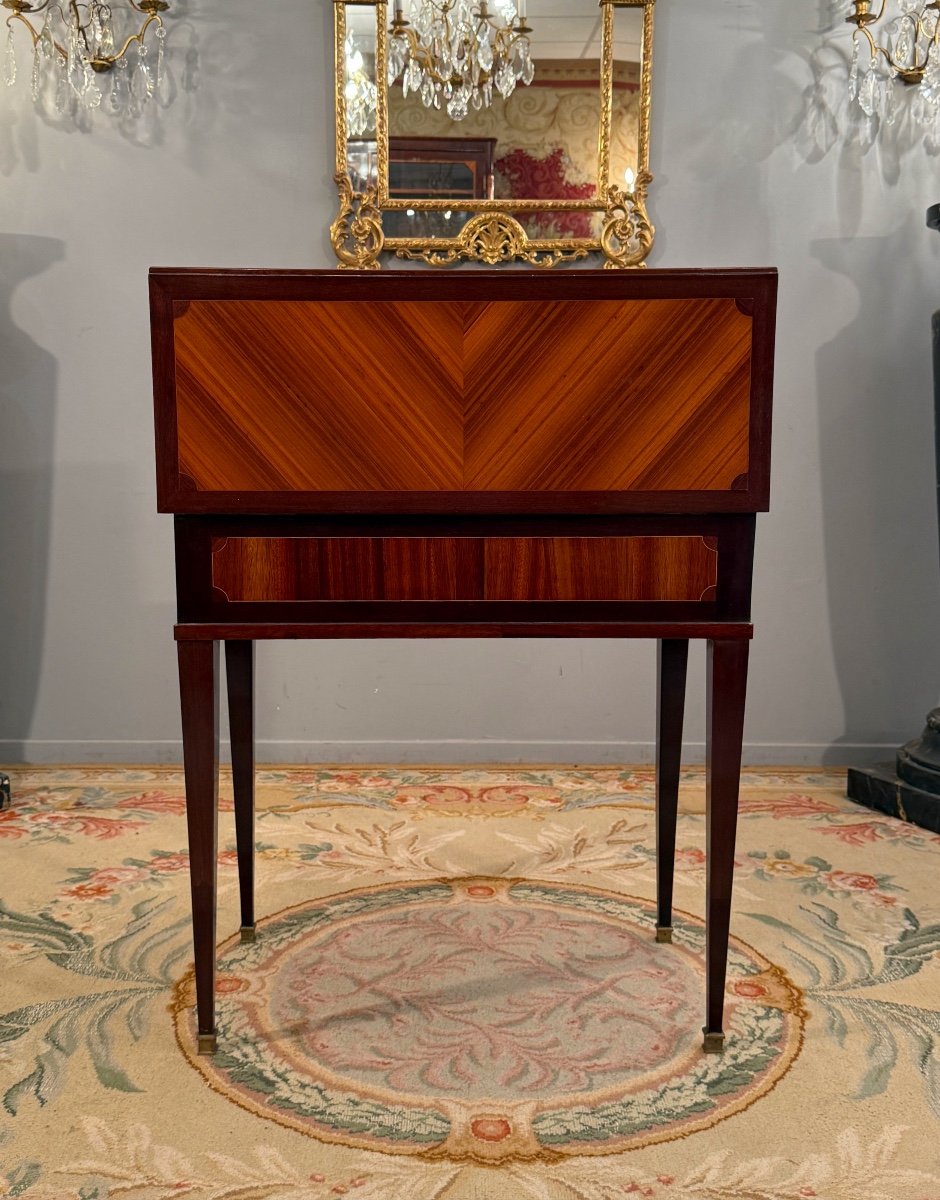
488,1019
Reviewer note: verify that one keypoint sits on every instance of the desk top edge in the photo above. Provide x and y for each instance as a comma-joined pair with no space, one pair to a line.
195,283
648,273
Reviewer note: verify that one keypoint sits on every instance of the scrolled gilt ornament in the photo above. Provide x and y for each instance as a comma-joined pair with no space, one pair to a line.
356,234
627,235
493,238
490,238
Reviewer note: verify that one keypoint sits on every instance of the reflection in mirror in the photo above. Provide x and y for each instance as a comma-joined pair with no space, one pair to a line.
457,55
546,133
360,91
521,101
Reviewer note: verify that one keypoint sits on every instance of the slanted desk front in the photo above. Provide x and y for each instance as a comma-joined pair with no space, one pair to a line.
463,454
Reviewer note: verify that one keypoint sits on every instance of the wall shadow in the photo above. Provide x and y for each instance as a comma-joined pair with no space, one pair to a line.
878,489
28,393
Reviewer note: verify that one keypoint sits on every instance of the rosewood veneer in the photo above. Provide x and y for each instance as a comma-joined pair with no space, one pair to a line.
464,454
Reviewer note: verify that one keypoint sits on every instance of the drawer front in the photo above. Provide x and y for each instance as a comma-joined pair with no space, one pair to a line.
304,569
599,568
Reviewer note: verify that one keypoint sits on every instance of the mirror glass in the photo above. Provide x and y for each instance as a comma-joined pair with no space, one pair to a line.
515,116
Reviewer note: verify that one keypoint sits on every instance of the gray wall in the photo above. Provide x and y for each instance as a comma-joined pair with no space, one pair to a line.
750,171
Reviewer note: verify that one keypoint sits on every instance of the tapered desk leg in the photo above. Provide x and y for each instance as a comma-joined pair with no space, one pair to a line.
672,660
727,684
239,676
199,703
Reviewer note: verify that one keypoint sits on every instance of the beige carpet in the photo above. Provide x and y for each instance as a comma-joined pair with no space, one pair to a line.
455,994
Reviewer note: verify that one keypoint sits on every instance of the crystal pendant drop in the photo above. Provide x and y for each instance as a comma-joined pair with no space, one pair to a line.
35,79
106,48
164,89
457,106
505,81
9,60
62,93
75,67
882,88
91,93
115,98
853,73
904,45
890,109
46,43
866,93
158,69
94,32
134,105
414,76
142,80
396,58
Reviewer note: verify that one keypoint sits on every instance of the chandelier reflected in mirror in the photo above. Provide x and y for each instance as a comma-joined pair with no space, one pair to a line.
455,53
899,42
361,98
75,46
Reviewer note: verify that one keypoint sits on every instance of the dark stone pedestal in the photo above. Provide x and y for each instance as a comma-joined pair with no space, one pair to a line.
880,788
4,790
911,788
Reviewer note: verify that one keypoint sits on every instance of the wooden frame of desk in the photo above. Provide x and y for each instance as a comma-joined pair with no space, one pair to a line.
466,454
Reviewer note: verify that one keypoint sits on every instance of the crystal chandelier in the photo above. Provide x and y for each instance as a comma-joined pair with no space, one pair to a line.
77,43
454,52
909,50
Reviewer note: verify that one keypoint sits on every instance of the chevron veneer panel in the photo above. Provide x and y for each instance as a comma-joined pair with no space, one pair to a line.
313,396
640,395
449,396
292,569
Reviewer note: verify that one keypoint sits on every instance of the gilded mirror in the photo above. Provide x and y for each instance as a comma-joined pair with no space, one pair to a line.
491,131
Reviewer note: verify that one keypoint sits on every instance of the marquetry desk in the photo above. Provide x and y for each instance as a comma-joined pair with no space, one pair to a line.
463,454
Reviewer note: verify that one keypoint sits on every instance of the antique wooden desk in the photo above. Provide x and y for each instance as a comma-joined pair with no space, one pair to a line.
464,454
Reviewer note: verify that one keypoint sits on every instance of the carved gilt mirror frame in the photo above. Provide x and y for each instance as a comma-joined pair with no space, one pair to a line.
607,215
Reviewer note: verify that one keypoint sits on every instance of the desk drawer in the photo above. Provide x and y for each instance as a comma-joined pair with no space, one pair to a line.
305,569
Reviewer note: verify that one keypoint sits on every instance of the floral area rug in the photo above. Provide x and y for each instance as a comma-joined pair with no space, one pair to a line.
456,994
